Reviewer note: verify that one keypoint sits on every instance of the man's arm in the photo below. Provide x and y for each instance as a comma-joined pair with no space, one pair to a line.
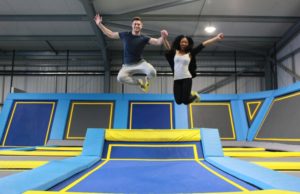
160,40
105,30
166,44
214,39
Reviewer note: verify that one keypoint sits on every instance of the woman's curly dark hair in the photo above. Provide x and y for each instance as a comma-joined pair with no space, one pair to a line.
176,43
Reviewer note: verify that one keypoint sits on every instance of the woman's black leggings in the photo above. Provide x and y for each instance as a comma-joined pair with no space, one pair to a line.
182,91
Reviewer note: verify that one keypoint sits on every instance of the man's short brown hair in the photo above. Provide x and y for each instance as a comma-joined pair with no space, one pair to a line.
137,18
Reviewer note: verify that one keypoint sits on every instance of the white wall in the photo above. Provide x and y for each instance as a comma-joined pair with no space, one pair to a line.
285,79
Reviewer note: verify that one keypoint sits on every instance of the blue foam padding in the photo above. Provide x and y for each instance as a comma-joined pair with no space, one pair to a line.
257,95
239,119
218,97
46,176
256,175
288,89
211,143
52,173
60,119
93,143
4,116
181,116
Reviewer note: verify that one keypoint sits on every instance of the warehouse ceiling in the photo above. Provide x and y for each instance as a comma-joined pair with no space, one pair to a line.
58,25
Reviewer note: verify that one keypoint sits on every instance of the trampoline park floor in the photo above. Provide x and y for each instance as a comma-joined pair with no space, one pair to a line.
142,167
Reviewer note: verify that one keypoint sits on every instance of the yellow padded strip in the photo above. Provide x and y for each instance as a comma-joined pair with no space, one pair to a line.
38,153
280,165
59,148
262,154
21,164
243,149
242,192
153,135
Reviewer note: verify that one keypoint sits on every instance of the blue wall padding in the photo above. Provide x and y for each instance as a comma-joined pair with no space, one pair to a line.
93,143
4,116
259,118
289,89
151,116
181,119
240,119
256,175
218,97
211,143
24,133
46,176
60,119
121,114
121,108
152,152
257,95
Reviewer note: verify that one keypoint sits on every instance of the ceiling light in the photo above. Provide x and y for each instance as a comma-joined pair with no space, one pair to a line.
210,29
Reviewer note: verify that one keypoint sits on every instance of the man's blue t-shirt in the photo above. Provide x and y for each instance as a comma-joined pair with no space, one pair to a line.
133,46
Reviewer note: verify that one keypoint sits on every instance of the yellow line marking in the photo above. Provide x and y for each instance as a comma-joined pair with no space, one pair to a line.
222,177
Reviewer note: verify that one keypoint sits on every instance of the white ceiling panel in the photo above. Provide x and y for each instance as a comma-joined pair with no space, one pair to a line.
156,27
252,7
120,6
46,28
24,45
75,45
193,8
247,29
41,7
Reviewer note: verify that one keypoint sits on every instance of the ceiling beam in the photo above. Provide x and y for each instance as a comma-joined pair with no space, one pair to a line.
158,7
152,17
90,11
287,37
36,18
205,18
48,38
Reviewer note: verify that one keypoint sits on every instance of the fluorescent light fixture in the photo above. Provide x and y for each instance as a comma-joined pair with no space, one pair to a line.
210,29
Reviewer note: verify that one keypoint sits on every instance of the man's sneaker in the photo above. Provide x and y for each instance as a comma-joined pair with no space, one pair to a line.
194,93
144,86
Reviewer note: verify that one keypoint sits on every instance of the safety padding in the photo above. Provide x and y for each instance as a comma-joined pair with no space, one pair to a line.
52,173
94,145
256,175
211,143
148,135
45,176
242,192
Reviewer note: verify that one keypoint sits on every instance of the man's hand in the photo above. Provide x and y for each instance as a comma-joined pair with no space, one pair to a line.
220,36
98,19
164,33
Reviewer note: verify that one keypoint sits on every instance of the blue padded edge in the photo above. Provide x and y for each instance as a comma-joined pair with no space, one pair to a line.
60,119
4,116
46,176
218,97
181,116
256,175
288,89
239,120
257,95
211,143
52,173
94,141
